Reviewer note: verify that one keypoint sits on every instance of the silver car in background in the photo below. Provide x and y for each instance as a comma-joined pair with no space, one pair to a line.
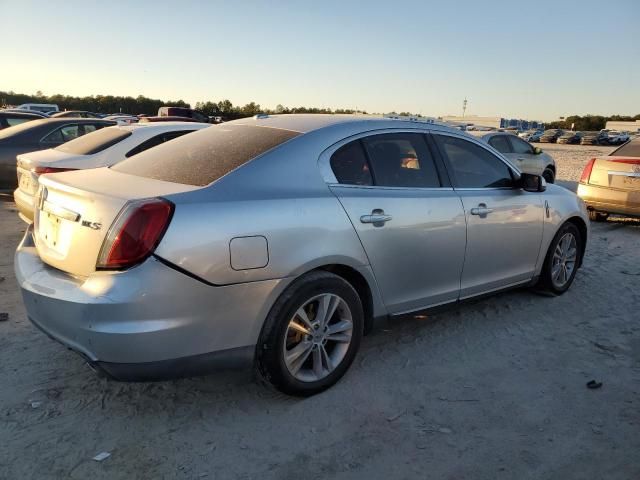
277,240
526,157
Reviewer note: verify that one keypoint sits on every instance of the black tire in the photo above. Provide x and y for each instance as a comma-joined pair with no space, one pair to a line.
549,175
546,281
270,361
598,216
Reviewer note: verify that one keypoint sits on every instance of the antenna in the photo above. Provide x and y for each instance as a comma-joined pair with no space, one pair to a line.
464,106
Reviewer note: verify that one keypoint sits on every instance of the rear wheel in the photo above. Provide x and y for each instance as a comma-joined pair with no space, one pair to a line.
311,335
598,216
549,175
563,257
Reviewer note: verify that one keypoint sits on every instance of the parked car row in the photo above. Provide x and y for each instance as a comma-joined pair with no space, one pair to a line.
276,241
165,114
101,148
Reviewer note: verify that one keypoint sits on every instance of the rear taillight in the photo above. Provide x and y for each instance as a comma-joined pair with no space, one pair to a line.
135,233
586,173
43,170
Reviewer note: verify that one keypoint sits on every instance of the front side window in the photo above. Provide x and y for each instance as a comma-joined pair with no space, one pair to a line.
520,146
472,165
500,143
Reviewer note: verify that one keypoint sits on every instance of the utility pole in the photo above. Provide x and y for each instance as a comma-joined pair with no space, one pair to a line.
464,106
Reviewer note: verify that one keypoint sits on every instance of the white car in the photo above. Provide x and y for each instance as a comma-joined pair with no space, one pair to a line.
123,119
618,138
101,148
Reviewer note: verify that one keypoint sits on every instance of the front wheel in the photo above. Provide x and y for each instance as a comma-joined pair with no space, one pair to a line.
563,257
312,335
549,175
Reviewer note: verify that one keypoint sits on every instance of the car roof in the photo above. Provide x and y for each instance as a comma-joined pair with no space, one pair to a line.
305,123
20,114
163,125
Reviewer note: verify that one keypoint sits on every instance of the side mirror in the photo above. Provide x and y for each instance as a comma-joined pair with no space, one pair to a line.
537,150
532,183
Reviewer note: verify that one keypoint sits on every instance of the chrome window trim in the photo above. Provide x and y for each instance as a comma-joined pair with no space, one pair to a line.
324,159
382,187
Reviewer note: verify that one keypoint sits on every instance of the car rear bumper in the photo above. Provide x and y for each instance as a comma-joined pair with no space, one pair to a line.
24,202
147,323
610,200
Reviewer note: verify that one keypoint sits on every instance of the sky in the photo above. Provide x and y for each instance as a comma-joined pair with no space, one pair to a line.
526,59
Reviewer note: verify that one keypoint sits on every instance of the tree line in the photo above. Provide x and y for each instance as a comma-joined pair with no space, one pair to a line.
93,103
149,106
229,111
589,122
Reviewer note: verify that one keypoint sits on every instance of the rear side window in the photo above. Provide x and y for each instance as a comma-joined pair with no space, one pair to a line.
349,165
401,160
206,155
472,165
629,149
95,142
500,143
155,141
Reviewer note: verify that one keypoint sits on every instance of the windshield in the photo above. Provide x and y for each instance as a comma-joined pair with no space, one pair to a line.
204,156
95,142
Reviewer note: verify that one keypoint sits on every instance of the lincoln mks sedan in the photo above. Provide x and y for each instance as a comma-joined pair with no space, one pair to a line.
276,241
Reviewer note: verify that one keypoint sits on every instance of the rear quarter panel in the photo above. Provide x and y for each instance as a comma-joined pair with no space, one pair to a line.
280,196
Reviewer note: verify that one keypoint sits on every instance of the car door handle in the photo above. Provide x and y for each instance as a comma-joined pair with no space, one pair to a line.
376,217
481,210
520,159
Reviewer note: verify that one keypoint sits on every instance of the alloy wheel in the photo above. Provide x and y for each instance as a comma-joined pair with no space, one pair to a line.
317,337
564,260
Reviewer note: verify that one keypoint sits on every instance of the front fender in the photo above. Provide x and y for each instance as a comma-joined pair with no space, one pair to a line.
561,205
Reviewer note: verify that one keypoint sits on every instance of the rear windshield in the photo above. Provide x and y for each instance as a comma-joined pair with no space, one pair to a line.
94,142
629,149
204,156
17,129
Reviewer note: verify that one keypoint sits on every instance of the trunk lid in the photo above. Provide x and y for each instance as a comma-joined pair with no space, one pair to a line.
74,211
622,173
27,162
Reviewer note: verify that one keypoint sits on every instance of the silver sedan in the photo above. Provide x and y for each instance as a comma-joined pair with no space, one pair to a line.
521,153
278,240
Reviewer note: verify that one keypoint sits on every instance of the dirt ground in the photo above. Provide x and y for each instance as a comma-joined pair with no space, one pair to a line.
489,390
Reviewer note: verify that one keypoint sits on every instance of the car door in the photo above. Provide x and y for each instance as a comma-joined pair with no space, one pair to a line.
407,216
504,223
